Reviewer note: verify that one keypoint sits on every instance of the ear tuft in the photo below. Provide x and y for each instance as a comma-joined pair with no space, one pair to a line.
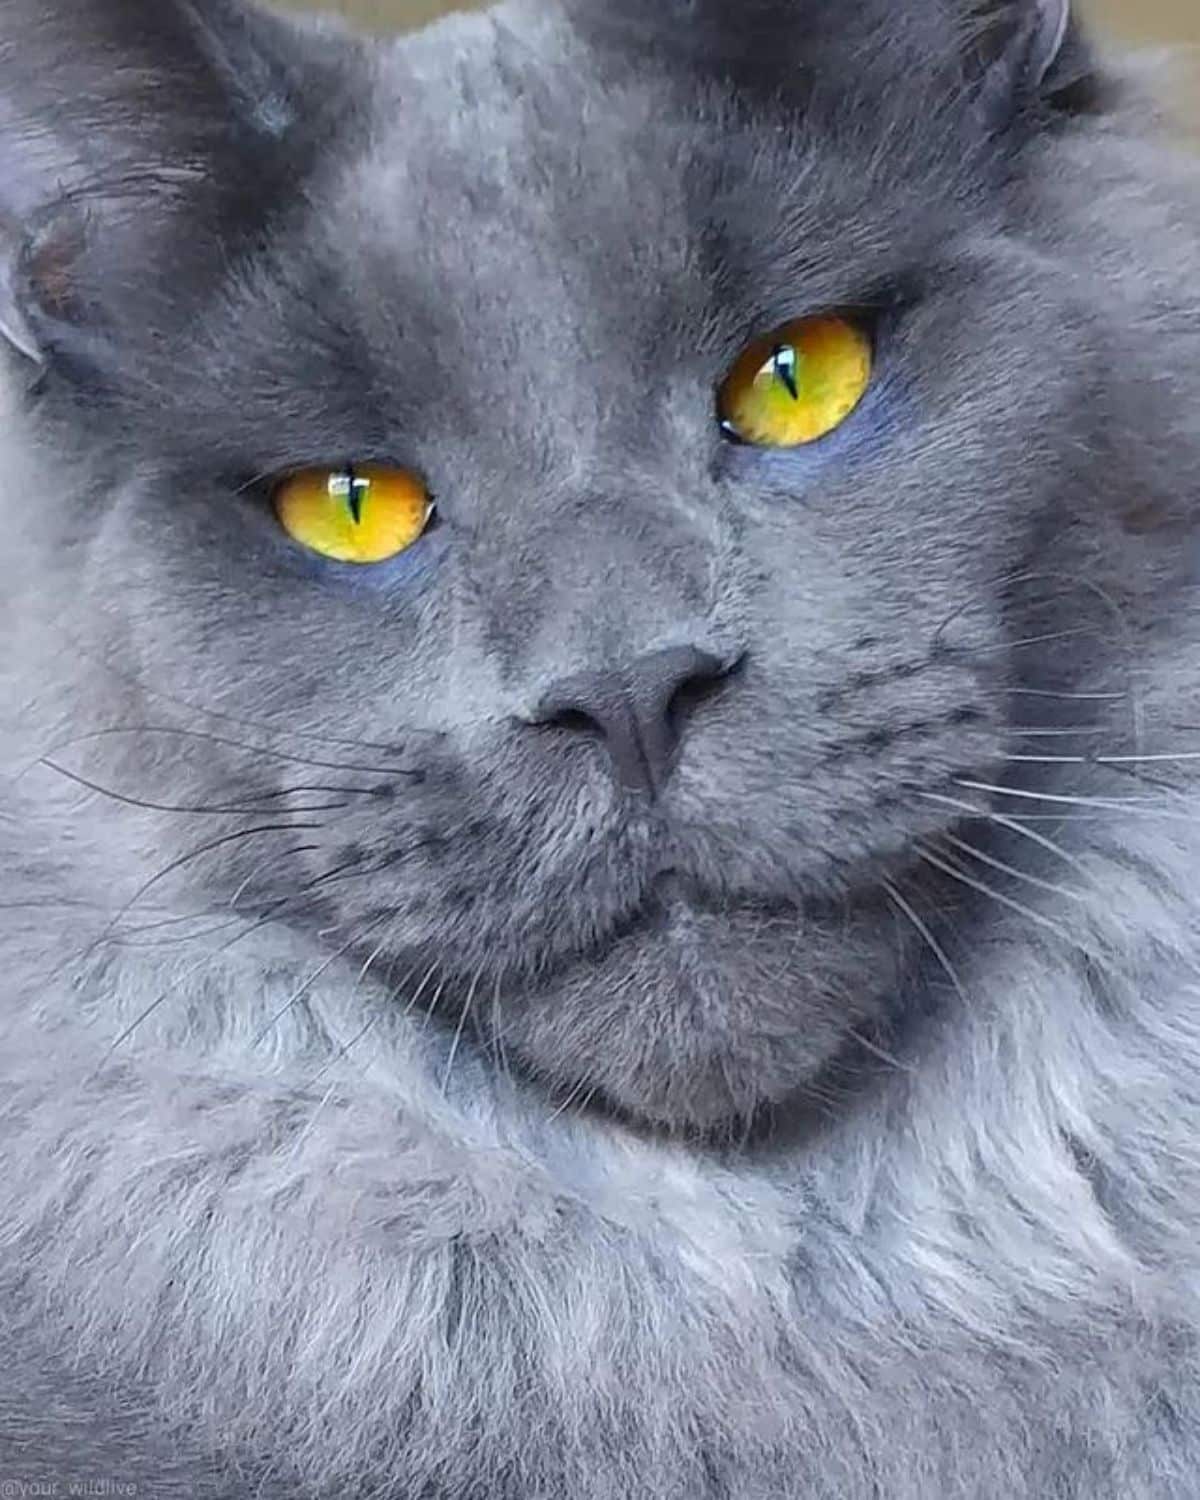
1026,52
1046,27
14,325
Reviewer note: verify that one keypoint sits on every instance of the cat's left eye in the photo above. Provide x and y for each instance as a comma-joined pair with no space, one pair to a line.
354,514
798,384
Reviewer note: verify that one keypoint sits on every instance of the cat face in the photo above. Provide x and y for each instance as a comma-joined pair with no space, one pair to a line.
631,758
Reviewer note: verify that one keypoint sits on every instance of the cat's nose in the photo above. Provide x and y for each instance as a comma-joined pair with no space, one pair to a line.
639,712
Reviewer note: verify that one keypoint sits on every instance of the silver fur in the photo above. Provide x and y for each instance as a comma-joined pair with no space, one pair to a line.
392,1106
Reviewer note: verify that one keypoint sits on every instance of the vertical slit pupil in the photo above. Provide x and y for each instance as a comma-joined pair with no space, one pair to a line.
357,489
783,357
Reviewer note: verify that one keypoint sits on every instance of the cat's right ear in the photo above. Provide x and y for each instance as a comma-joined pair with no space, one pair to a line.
137,137
1019,53
14,326
1005,59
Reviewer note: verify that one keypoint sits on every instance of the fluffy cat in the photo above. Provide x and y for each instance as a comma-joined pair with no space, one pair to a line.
681,984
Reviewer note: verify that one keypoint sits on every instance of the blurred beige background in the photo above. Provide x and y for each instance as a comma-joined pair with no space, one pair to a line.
1145,20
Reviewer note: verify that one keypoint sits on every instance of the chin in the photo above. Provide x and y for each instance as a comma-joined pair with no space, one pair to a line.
697,1016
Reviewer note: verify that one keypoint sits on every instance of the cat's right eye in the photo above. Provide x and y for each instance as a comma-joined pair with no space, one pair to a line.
798,384
356,513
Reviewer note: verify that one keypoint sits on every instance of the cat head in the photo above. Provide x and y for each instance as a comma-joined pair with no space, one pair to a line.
650,705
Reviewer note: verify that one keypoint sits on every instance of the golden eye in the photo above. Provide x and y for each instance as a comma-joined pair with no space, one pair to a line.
798,384
361,514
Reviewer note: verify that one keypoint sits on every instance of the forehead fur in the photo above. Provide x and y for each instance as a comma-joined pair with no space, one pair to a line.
498,195
225,130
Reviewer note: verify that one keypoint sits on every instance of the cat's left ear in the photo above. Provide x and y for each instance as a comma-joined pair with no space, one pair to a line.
141,143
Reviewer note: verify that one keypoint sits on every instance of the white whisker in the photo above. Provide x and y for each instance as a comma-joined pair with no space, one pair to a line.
983,889
420,990
1019,692
310,1123
1006,869
922,927
881,1053
1058,734
458,1035
1013,825
315,977
187,974
1036,640
1114,804
343,1050
1121,621
1105,760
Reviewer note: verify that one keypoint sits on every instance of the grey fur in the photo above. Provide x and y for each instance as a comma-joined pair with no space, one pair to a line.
391,1104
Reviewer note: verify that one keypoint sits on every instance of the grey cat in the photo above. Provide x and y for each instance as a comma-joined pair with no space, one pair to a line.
681,981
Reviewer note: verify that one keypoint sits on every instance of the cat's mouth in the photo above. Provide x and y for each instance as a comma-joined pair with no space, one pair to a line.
703,1006
674,895
685,974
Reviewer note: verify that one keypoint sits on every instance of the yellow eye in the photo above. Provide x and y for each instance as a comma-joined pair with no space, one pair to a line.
360,514
798,384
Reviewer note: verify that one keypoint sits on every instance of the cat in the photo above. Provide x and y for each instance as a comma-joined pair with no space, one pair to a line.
601,711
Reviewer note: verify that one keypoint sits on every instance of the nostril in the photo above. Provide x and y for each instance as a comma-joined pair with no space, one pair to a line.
574,720
638,710
709,682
